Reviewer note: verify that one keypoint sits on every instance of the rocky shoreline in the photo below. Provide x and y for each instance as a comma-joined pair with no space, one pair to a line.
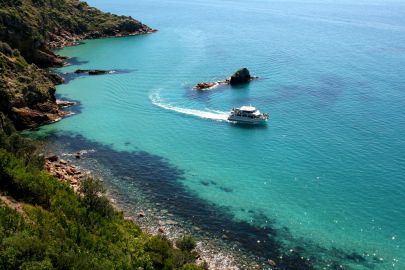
65,38
151,220
65,171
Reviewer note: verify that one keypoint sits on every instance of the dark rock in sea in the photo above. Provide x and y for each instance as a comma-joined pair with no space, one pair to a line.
92,71
210,85
141,214
80,71
98,72
204,85
78,155
240,76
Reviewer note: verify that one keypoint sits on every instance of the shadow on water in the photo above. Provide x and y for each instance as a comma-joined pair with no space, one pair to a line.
70,76
161,182
326,93
75,61
248,126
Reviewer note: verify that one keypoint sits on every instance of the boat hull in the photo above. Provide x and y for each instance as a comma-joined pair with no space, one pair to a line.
246,120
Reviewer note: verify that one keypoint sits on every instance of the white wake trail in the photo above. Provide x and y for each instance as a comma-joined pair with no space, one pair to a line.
213,115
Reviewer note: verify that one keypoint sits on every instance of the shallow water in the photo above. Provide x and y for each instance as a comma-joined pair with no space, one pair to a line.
324,178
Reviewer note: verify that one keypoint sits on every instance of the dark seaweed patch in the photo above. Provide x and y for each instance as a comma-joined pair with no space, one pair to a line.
226,189
355,257
161,182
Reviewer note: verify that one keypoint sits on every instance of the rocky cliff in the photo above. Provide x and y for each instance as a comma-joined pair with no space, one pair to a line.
36,26
26,92
29,30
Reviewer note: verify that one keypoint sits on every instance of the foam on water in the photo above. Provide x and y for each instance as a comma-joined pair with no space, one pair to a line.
207,114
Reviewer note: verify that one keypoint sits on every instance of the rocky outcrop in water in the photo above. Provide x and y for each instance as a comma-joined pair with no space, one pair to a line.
93,71
210,85
29,30
239,77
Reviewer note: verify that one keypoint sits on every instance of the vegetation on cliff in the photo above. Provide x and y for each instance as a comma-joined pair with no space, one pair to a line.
33,26
44,224
51,227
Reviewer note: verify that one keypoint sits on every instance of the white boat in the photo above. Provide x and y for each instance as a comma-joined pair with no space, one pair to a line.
248,115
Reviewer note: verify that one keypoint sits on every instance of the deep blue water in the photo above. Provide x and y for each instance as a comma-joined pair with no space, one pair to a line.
324,180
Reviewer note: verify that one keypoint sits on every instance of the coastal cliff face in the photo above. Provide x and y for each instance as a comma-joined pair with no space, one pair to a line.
29,30
26,93
36,26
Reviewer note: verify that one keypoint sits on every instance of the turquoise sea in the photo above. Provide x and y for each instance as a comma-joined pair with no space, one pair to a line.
322,186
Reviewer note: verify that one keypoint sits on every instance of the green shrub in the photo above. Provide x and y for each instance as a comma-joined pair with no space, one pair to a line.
159,250
186,243
94,198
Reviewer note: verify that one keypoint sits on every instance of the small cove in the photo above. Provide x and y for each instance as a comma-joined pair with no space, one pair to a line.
325,174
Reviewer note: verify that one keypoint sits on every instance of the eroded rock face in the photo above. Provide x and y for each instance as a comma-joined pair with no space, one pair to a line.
27,94
241,76
55,78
